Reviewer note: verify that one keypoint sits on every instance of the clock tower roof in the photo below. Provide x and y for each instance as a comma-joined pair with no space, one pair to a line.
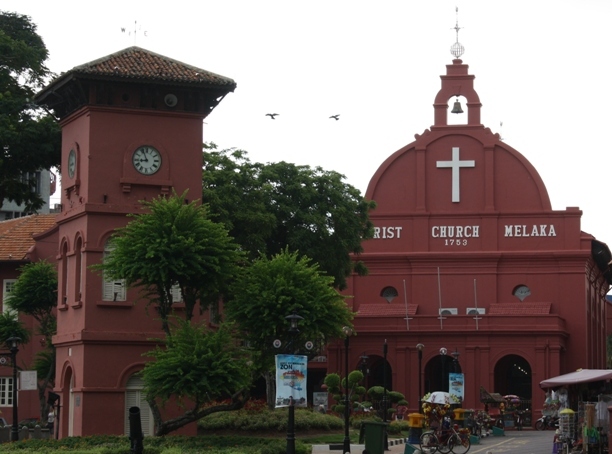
133,65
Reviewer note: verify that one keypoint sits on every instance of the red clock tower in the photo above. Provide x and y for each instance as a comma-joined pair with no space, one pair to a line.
131,131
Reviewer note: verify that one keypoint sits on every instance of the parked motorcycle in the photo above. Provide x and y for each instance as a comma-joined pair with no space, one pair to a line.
547,422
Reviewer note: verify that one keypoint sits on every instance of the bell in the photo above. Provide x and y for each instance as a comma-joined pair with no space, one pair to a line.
457,108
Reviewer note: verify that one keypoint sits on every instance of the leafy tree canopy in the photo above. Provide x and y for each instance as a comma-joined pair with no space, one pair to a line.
268,207
35,294
29,141
174,244
198,366
273,288
10,326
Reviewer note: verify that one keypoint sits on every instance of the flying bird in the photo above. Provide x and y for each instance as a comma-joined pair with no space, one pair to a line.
335,117
271,116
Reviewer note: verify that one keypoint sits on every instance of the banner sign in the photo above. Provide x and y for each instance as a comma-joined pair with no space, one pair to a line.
291,371
27,380
455,386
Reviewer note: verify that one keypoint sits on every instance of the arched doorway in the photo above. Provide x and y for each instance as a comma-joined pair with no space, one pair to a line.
513,376
380,373
436,373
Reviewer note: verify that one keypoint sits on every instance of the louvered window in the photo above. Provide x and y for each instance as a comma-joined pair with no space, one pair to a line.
135,397
113,289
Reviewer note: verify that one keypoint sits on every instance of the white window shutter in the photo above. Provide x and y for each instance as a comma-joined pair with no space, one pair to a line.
177,297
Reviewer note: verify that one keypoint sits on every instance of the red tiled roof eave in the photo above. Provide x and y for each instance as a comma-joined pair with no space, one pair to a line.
520,309
386,310
137,64
16,235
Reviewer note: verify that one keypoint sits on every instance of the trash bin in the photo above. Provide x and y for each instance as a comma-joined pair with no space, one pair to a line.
415,422
459,415
374,433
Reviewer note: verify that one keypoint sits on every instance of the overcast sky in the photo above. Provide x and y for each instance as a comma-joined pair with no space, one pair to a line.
541,69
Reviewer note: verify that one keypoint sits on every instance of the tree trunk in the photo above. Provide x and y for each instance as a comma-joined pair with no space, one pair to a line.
43,388
165,427
270,378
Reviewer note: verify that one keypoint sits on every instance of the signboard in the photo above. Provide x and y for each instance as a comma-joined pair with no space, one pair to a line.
27,380
319,399
291,371
455,385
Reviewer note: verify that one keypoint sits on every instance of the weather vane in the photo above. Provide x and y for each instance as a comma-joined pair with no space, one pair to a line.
123,30
457,49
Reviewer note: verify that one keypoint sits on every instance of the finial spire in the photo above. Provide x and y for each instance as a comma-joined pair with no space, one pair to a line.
457,49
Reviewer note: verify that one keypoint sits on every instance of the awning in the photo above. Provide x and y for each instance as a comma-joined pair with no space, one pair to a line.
580,376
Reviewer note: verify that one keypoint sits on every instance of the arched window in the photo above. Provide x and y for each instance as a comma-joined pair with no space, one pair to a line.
135,397
521,292
112,289
389,293
78,269
64,283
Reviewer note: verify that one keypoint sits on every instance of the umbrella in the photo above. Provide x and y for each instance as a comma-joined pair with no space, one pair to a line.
438,397
512,398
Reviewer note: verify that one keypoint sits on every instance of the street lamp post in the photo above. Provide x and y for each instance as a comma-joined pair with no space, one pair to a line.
456,365
420,348
293,330
443,352
346,447
14,342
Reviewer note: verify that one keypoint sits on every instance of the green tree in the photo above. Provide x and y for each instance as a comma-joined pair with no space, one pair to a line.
273,288
174,244
29,140
11,326
338,388
268,207
35,294
197,366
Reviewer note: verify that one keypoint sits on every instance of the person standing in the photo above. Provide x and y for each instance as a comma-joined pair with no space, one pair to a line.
51,421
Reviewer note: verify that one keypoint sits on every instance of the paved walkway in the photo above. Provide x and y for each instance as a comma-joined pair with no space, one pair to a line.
521,442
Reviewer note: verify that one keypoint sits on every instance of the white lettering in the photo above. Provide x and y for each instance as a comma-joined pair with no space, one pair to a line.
455,231
536,230
387,233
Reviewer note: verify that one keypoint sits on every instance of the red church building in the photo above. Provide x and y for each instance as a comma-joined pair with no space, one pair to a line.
470,268
468,259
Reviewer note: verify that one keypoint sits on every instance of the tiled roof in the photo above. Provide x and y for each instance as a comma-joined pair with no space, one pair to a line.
520,309
16,234
140,64
385,310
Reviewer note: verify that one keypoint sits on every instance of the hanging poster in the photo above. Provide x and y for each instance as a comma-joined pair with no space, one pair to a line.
291,373
455,387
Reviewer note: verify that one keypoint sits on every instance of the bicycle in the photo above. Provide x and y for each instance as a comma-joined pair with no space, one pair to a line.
449,438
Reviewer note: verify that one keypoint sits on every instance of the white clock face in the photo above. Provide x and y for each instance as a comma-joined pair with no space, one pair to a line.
71,163
146,160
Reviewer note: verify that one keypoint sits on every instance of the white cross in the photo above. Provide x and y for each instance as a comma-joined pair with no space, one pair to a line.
455,165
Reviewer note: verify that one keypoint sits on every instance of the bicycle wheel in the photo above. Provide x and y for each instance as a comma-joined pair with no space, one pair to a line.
459,443
428,443
444,445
